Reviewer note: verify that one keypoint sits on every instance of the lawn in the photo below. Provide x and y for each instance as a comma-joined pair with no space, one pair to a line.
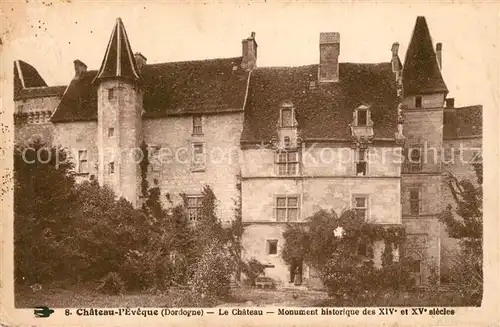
79,296
86,296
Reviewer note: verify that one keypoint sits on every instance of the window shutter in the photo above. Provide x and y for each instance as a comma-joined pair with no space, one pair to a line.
421,207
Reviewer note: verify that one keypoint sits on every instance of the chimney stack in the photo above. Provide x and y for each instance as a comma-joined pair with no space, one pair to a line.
140,60
249,52
329,51
439,48
450,103
80,68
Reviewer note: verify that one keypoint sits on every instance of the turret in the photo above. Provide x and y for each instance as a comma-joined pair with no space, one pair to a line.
119,127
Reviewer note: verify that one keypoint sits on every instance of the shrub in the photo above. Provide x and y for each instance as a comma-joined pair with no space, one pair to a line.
111,284
146,270
212,277
252,270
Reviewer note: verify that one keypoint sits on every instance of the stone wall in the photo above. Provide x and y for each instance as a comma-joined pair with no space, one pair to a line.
178,174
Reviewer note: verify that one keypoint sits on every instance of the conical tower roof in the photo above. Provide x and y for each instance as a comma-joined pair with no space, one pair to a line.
421,73
118,61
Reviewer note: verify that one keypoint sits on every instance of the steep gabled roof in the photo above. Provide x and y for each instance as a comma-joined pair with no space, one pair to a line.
463,122
119,59
79,102
25,76
421,73
325,111
176,88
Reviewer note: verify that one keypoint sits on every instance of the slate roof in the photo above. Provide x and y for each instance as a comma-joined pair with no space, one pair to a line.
79,102
421,73
26,76
463,122
326,111
176,88
119,59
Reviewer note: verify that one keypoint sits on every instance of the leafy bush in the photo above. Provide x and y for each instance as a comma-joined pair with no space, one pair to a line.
253,269
212,277
111,284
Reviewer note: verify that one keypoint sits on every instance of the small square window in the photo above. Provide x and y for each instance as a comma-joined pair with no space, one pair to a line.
111,132
418,101
111,167
272,247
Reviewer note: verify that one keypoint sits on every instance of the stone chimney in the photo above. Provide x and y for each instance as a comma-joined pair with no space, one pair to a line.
329,51
439,48
80,68
249,52
395,57
140,60
450,103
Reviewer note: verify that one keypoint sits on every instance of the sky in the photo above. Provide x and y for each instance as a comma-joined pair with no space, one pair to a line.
50,35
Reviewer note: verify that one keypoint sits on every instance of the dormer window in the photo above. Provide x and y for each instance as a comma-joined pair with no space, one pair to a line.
362,117
286,117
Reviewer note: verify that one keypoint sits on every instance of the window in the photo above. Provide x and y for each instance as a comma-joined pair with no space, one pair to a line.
415,156
197,125
111,94
361,205
111,167
82,161
288,162
195,207
154,158
286,117
111,132
198,162
287,208
272,247
415,201
362,117
361,164
418,101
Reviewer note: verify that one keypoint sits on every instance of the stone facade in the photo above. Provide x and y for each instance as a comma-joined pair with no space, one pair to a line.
175,170
231,141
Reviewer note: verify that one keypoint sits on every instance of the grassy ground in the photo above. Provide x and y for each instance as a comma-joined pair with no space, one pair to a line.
79,296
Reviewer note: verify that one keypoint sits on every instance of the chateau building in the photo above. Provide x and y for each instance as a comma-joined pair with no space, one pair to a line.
286,141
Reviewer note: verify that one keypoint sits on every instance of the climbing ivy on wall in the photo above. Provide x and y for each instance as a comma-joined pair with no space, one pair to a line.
326,235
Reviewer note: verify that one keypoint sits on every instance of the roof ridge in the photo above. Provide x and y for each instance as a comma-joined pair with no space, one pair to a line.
188,61
340,63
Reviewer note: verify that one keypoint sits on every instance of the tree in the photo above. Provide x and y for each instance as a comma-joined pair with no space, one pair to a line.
43,194
467,226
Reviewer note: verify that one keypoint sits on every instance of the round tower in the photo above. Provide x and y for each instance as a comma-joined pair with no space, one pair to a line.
119,126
